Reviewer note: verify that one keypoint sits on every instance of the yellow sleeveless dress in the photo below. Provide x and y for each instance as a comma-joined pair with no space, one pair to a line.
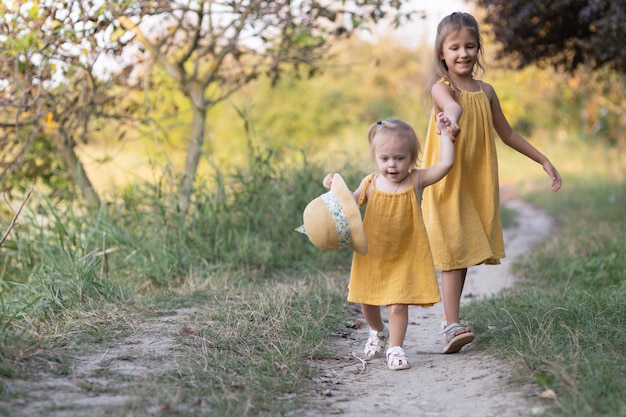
462,211
398,267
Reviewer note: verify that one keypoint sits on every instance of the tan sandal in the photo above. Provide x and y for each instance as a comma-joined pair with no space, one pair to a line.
454,342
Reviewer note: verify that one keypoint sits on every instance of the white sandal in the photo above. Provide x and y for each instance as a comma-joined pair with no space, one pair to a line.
376,343
455,343
396,358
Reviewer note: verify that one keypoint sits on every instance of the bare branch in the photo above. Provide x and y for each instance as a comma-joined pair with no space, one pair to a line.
15,214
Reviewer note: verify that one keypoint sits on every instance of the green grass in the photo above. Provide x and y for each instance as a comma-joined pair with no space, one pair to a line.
76,284
564,327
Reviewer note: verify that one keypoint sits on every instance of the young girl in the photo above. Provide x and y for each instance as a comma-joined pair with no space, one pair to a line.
462,212
398,270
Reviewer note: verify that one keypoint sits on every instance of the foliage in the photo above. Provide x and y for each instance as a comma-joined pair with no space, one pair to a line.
52,94
244,220
355,83
594,103
40,165
586,104
213,49
566,34
327,116
57,64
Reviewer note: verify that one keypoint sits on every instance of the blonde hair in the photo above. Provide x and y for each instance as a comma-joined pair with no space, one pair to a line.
453,23
394,129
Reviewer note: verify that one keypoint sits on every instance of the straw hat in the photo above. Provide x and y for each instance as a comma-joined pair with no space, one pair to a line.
333,220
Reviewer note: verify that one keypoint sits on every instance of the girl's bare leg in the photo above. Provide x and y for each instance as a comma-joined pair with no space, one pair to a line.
372,316
398,323
452,283
378,335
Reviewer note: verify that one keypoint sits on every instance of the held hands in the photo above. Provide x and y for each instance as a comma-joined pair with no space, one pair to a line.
452,129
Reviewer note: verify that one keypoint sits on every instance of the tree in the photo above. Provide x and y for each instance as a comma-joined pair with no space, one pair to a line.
209,48
50,94
213,48
19,107
563,33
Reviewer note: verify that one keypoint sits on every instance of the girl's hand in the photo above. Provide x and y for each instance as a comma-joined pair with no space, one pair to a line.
553,173
453,130
328,181
444,123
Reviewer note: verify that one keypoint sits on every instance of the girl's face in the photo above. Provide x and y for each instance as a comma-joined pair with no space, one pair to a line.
460,51
393,158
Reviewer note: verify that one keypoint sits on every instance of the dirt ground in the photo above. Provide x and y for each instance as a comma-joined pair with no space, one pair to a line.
467,384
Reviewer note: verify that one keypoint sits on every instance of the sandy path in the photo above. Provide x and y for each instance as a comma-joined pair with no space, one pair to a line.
467,384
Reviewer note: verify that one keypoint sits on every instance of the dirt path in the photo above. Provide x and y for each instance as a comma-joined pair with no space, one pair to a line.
467,384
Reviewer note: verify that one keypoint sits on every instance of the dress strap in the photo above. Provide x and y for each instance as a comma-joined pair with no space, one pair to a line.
447,82
363,195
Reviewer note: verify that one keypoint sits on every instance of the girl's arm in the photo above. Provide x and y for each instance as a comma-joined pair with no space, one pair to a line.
444,101
328,182
516,141
357,193
436,172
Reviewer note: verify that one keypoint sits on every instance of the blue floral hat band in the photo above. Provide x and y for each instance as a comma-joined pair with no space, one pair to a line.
341,221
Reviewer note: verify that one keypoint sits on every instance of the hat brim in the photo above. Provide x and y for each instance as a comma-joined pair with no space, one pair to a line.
358,241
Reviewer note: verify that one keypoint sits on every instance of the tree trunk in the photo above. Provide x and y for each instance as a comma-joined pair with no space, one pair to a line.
75,167
194,150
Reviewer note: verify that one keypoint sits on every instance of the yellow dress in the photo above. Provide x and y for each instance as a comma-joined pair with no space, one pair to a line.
398,267
462,211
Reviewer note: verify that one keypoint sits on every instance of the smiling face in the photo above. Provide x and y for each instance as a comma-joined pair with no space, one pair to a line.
392,156
459,52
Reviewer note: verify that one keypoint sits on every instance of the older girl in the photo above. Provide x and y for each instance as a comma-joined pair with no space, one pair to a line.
462,212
